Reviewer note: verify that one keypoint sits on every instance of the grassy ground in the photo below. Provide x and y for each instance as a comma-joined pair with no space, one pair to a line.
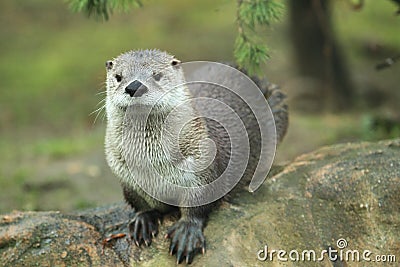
53,67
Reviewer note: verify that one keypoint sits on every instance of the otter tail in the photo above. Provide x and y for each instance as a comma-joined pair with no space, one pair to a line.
277,102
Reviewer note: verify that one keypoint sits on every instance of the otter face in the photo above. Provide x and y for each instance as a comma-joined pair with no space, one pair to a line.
145,77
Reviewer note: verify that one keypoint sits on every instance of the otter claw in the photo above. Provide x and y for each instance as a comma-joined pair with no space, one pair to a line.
186,240
143,227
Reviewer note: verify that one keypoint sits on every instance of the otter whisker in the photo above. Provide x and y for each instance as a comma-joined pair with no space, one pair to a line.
101,102
102,92
98,111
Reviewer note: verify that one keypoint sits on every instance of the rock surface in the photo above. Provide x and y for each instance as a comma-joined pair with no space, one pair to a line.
347,193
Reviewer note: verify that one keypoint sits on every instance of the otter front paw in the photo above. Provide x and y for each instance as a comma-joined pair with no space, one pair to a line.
186,240
144,226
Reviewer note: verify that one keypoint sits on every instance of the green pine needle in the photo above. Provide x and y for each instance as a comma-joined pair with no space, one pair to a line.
250,52
102,8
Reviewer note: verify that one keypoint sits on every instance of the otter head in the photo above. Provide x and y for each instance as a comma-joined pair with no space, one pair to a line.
144,77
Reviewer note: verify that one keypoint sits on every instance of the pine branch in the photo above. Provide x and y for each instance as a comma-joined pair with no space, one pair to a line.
251,52
102,8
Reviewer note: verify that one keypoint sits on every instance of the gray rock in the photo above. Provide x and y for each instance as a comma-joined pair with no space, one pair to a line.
347,192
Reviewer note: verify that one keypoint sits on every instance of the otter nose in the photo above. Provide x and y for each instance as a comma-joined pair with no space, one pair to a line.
136,89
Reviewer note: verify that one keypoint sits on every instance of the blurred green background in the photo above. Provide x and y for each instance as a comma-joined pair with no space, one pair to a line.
52,78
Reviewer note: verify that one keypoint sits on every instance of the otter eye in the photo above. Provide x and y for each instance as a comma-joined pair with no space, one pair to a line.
175,62
157,76
118,77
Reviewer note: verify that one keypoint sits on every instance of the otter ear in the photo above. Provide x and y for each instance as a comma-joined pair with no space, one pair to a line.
175,62
109,64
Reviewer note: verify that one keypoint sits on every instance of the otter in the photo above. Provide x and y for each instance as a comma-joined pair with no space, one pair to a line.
155,138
